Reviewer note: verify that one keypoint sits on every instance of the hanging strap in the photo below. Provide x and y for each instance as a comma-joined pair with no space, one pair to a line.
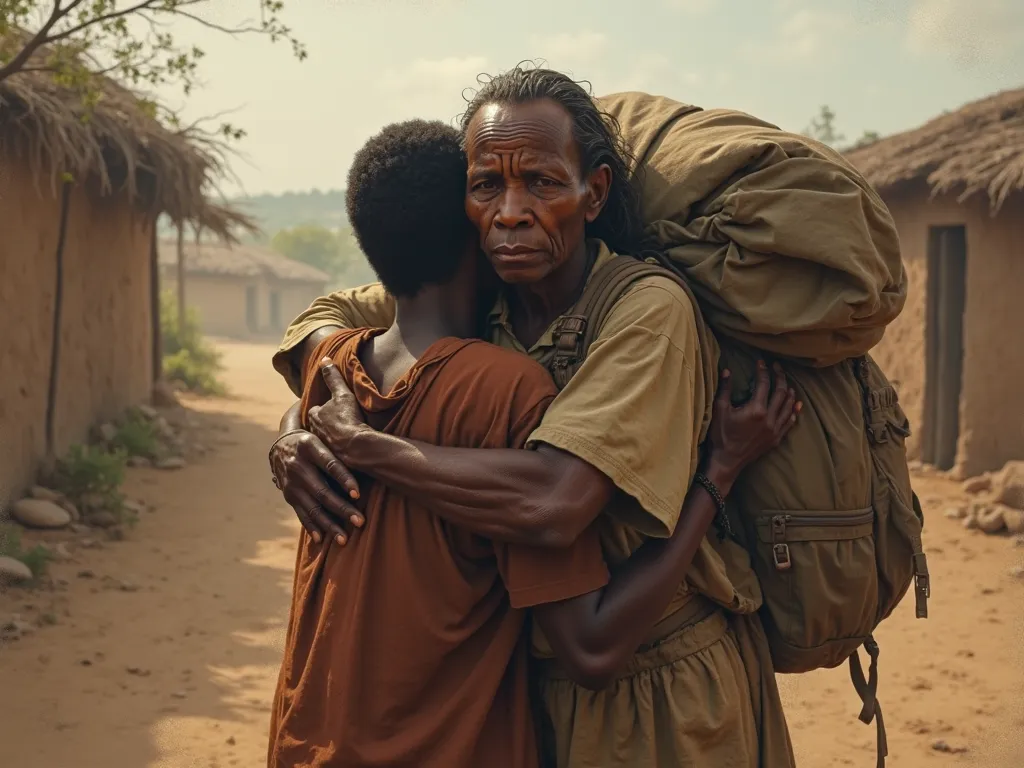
868,691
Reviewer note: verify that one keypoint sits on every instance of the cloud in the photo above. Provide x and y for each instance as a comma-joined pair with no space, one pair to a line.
806,33
976,34
434,74
570,52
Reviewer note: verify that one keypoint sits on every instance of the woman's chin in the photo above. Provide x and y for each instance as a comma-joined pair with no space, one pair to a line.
521,272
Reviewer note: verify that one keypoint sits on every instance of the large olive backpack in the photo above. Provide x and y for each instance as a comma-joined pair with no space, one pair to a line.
829,518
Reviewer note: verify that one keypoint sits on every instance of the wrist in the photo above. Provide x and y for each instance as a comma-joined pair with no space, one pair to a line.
721,474
356,444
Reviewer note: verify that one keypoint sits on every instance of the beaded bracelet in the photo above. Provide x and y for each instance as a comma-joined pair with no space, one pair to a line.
721,518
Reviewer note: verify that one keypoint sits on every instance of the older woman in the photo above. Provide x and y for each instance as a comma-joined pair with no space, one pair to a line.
548,191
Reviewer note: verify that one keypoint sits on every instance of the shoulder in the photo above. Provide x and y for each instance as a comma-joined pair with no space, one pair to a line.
502,370
654,304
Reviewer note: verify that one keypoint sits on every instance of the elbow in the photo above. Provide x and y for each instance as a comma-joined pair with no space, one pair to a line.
555,522
595,672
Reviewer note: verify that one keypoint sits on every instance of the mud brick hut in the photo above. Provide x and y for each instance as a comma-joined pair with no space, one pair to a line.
241,291
955,187
79,200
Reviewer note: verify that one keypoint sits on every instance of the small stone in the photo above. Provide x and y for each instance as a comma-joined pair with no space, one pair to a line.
980,484
991,520
94,502
127,586
1017,572
956,513
102,519
107,432
179,695
148,411
1010,485
135,507
90,543
80,528
86,574
971,521
139,462
1014,520
68,506
163,427
138,671
231,741
45,494
13,571
14,628
172,462
942,746
36,513
1018,541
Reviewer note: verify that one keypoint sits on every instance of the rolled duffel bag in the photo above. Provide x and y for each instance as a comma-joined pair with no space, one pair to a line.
793,258
785,244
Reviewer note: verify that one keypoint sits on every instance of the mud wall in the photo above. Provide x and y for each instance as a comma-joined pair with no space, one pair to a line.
105,336
992,400
221,302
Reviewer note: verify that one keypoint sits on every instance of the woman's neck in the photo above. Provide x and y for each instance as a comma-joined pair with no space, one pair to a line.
534,307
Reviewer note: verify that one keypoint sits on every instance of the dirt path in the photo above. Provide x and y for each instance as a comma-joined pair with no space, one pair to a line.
163,649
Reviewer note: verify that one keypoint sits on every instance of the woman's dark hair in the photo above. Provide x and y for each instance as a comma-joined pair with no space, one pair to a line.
405,201
597,137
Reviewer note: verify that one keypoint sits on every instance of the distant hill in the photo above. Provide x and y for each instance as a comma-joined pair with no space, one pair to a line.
276,212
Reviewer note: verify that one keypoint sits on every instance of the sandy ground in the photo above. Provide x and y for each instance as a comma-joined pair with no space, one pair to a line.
161,651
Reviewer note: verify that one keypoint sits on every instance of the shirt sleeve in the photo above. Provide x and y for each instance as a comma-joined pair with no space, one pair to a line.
536,575
369,306
638,406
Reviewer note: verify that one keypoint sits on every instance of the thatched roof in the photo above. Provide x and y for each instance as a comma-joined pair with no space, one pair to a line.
978,148
207,258
116,143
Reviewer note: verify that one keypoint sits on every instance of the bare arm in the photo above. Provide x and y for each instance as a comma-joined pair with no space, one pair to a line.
542,497
595,634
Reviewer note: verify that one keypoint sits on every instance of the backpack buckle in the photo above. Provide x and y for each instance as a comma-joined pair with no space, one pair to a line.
781,558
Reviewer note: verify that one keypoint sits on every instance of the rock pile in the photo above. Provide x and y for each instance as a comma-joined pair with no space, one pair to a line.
998,503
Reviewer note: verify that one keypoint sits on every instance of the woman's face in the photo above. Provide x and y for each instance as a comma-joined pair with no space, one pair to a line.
526,193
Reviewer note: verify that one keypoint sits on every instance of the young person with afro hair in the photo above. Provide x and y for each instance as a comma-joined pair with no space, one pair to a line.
408,647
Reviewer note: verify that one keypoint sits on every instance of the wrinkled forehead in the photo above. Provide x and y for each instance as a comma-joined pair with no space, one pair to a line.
540,128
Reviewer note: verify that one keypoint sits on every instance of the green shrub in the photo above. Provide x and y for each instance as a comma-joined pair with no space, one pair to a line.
188,357
93,475
136,436
37,558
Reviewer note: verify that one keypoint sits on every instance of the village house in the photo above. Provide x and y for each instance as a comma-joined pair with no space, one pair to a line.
241,291
955,187
79,200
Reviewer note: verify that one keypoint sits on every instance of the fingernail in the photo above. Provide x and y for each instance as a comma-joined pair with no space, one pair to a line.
340,539
356,520
353,494
799,407
726,373
761,365
315,537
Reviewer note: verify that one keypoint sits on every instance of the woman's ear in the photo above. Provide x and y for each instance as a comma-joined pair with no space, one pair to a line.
599,183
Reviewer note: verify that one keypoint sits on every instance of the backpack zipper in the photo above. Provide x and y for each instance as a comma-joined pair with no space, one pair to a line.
780,549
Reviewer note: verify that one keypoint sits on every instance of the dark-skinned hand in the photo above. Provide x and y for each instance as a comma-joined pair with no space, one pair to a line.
741,434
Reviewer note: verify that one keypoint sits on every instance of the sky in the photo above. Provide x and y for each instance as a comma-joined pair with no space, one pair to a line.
881,65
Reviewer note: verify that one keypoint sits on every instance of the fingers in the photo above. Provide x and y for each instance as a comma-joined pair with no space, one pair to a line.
300,501
309,479
725,388
763,385
319,454
332,376
781,391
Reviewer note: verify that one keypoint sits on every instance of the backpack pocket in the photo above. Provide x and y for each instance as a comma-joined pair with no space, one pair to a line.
819,576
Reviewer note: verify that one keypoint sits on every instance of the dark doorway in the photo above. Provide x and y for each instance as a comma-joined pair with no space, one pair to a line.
944,346
251,309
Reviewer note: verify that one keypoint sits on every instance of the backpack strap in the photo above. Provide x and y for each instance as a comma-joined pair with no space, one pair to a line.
575,331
